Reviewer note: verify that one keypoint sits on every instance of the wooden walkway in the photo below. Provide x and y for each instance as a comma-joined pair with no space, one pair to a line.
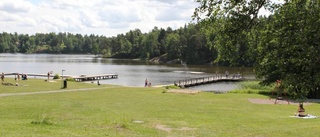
76,78
28,74
95,77
205,80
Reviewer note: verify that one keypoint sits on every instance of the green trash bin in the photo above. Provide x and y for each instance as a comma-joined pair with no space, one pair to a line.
65,84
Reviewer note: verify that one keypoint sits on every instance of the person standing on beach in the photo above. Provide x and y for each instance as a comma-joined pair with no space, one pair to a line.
146,83
2,77
48,75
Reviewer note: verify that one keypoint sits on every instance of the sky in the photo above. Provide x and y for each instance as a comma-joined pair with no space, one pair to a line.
99,17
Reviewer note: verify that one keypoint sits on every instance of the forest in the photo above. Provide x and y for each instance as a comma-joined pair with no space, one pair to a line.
284,45
187,44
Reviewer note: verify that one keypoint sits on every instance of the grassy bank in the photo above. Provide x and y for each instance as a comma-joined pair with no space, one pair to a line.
124,111
253,87
36,85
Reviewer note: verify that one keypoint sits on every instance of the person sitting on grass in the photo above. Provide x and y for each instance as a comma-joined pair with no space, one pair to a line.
301,111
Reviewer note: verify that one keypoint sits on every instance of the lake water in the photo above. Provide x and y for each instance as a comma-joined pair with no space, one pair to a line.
130,72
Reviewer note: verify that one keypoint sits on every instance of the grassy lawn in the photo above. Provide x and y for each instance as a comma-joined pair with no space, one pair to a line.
127,111
36,85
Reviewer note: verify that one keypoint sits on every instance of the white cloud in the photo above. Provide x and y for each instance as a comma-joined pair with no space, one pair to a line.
15,6
100,17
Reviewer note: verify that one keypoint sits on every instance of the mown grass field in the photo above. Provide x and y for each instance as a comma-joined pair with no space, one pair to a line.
129,112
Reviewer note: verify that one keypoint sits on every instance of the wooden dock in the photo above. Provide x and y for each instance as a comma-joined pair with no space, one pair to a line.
205,80
95,77
28,74
76,78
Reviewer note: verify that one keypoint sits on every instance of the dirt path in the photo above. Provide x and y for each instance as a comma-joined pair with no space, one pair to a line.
47,92
272,101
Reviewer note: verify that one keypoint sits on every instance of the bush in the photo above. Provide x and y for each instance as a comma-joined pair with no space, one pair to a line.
56,76
70,79
253,87
172,87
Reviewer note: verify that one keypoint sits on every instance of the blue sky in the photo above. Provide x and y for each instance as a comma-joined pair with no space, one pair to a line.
35,1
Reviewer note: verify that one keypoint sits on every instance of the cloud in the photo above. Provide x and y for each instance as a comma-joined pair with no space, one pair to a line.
99,17
15,6
9,17
179,10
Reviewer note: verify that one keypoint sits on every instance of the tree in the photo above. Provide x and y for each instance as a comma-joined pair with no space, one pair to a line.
4,42
172,46
290,47
161,40
232,20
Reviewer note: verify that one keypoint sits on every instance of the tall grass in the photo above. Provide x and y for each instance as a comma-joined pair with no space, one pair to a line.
253,87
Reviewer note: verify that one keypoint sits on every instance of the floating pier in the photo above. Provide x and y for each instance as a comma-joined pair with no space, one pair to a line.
205,80
29,74
76,78
95,77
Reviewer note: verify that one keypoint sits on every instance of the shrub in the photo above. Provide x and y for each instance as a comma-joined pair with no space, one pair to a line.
70,79
172,87
56,76
253,87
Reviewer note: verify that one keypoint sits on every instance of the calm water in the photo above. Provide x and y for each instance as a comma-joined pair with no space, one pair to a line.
131,72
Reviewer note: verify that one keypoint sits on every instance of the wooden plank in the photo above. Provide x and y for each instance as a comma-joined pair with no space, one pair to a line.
204,80
94,77
76,78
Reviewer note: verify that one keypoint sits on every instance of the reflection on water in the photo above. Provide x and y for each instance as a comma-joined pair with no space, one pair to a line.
131,72
218,87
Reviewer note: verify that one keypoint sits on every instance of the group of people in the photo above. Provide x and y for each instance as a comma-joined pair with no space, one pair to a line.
23,77
17,77
226,74
147,84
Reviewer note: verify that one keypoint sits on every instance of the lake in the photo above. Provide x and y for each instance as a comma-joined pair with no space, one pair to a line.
130,72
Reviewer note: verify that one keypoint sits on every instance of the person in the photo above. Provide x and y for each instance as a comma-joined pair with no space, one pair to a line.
216,74
24,77
227,74
48,75
149,85
146,83
301,111
239,75
98,83
18,76
2,77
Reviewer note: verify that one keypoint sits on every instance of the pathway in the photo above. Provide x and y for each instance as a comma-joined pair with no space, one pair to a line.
50,91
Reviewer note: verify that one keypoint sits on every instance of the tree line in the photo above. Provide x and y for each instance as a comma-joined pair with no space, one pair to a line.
186,44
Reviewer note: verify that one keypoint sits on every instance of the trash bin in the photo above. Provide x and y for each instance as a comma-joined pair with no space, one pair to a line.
65,84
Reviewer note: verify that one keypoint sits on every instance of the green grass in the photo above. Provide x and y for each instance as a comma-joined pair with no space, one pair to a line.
33,85
253,87
113,110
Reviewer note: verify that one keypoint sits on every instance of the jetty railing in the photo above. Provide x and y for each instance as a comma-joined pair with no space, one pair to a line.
95,77
205,80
